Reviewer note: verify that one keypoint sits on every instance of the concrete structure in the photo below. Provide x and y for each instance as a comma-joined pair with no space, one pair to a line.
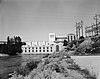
54,38
71,37
3,42
38,47
55,44
79,29
92,30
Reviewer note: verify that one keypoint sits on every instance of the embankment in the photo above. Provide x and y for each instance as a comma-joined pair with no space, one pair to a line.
56,66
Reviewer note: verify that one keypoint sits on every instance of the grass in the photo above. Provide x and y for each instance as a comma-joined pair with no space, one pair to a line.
27,68
7,65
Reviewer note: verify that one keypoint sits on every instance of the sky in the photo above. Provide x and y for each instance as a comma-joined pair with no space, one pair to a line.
33,20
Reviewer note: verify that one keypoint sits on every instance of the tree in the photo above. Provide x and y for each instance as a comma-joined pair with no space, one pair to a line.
81,39
13,46
65,43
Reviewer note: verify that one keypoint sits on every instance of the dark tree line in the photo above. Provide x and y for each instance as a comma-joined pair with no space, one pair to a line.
13,46
73,44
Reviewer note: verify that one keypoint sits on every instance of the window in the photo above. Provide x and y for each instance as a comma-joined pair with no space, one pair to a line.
51,50
71,38
36,47
32,50
52,36
29,47
74,37
43,50
68,38
40,47
25,50
47,43
40,50
47,50
32,47
36,50
29,50
47,47
43,47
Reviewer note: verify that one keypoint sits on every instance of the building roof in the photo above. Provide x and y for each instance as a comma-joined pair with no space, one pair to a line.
71,34
2,42
61,37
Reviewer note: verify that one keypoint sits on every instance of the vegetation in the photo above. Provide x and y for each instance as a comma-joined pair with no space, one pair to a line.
55,66
65,43
27,68
12,47
87,74
84,46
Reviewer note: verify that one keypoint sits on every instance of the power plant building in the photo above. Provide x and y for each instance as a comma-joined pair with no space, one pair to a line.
55,44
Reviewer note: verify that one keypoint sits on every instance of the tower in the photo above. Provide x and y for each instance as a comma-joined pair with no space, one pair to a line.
52,37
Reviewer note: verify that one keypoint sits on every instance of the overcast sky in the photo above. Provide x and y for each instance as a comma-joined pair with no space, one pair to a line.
33,20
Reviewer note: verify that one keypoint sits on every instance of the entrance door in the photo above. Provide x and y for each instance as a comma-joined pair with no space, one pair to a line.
57,48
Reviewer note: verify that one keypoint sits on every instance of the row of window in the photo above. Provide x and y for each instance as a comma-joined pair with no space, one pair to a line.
71,38
38,51
37,48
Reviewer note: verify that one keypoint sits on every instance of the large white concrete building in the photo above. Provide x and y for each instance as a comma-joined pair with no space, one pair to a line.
60,38
55,44
38,47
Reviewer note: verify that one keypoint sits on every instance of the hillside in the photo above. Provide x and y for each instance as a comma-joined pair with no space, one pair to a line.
55,66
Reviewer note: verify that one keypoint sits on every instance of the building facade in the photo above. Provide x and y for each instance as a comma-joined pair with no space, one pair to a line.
38,47
71,37
92,30
54,38
55,44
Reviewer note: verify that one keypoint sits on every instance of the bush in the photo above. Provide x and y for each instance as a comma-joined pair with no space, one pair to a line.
74,67
84,48
87,74
24,70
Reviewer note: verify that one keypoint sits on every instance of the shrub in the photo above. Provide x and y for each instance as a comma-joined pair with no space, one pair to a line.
24,70
46,61
87,74
74,67
84,48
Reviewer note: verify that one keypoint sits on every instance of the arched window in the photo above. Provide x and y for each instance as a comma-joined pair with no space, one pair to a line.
57,48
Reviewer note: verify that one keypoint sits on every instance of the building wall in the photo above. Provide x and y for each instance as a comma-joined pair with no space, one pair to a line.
52,37
71,37
55,44
38,47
